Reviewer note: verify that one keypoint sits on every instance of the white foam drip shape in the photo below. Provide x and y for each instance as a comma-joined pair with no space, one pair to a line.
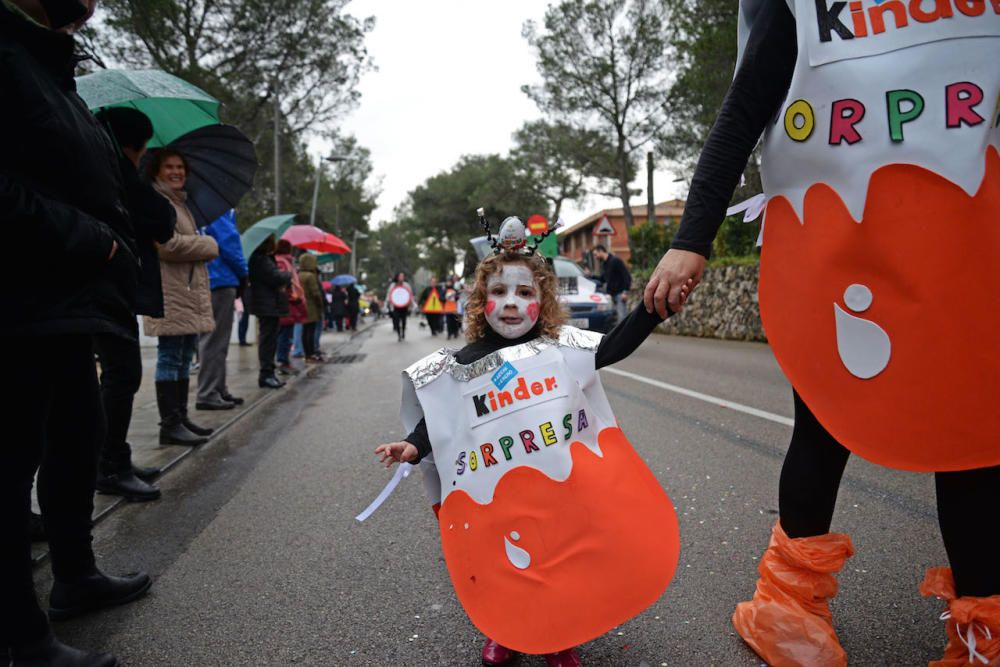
864,346
517,556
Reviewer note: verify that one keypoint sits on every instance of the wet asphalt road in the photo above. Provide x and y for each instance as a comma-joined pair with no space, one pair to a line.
257,559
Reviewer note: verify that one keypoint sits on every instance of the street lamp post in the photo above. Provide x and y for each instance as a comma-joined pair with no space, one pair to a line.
319,171
354,251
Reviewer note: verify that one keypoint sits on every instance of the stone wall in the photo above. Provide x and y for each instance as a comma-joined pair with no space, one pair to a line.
724,305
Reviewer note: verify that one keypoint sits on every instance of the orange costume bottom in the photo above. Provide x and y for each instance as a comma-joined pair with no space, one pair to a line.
549,565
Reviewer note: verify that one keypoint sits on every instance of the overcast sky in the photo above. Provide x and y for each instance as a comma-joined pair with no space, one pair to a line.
448,84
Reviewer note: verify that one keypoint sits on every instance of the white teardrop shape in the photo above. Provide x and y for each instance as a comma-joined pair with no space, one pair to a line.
864,346
858,298
514,535
517,556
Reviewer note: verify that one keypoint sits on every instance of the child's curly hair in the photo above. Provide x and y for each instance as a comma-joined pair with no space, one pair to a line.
551,314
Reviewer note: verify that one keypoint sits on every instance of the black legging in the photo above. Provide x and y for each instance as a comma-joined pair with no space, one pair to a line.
399,316
968,503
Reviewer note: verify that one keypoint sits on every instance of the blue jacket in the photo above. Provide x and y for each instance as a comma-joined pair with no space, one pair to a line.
230,267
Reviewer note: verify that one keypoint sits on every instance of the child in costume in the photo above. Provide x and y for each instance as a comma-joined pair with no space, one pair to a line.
541,501
880,126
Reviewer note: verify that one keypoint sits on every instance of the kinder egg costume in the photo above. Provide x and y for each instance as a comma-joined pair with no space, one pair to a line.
878,277
879,268
553,529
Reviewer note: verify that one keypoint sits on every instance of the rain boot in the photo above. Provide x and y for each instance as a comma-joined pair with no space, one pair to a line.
495,654
972,624
183,389
172,429
788,622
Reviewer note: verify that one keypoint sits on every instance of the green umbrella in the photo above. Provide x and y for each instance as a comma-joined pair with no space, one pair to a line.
174,106
255,235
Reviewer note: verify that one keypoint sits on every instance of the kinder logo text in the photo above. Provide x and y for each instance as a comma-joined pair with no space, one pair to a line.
858,28
487,405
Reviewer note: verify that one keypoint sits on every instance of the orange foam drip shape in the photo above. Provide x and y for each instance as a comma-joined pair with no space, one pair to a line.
604,545
930,254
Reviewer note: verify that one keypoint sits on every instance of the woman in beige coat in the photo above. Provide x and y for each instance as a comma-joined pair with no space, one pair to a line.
187,303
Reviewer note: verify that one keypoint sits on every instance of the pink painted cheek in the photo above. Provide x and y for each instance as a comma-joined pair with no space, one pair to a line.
491,305
533,310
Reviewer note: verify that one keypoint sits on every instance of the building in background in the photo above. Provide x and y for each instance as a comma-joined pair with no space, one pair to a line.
577,240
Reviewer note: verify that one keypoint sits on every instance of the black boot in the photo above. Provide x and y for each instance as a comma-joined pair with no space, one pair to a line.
125,484
183,386
93,591
146,473
50,652
172,430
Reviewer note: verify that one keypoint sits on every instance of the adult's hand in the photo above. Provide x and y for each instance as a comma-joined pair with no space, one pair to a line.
677,269
114,250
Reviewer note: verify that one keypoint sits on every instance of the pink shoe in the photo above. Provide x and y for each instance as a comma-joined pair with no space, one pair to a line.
567,658
495,654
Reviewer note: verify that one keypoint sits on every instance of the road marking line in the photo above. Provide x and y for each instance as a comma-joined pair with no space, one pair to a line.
714,400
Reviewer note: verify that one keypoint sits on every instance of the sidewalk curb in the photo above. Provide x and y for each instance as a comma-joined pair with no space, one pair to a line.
43,555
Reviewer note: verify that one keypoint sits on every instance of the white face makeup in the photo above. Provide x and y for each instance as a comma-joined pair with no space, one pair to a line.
512,304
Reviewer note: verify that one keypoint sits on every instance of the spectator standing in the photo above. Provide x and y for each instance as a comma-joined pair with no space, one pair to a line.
268,300
308,274
339,306
616,278
296,308
353,307
153,220
60,193
227,277
452,318
187,303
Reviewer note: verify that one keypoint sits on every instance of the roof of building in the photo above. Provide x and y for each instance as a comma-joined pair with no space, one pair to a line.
665,208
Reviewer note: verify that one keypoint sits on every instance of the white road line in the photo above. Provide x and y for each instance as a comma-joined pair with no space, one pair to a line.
739,407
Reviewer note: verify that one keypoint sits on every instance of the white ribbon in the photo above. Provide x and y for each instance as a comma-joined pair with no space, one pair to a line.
970,638
753,207
402,472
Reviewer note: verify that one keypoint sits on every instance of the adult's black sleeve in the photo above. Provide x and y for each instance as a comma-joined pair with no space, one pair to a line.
627,336
754,97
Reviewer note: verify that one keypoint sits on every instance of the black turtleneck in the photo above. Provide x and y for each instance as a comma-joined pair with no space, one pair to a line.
615,346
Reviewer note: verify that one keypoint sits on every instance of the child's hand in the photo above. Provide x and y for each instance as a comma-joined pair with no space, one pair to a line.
396,452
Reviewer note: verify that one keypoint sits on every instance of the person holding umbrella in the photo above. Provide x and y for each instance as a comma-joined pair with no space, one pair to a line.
187,302
121,361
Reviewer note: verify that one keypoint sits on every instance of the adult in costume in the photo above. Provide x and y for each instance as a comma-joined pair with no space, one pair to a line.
542,502
882,174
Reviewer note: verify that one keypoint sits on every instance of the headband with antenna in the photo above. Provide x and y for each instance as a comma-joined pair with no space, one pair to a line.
512,237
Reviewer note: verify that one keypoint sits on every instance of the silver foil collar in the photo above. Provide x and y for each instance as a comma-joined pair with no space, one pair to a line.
443,361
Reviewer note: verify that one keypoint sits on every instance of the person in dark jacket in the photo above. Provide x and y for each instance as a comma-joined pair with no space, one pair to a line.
153,219
353,307
61,194
227,277
268,300
339,306
616,278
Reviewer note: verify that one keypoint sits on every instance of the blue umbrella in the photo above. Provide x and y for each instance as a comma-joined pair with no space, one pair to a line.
343,279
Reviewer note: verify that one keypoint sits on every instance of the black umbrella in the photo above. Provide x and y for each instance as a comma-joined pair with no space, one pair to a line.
221,166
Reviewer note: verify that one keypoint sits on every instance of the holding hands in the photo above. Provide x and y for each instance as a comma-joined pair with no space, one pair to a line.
396,452
673,280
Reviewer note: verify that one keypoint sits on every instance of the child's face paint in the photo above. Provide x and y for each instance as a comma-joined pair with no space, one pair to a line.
512,305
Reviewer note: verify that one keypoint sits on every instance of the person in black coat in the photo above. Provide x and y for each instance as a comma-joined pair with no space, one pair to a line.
267,299
60,194
153,220
353,307
339,306
616,278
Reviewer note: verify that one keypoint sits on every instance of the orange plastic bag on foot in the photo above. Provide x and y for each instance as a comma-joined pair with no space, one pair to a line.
788,621
972,624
